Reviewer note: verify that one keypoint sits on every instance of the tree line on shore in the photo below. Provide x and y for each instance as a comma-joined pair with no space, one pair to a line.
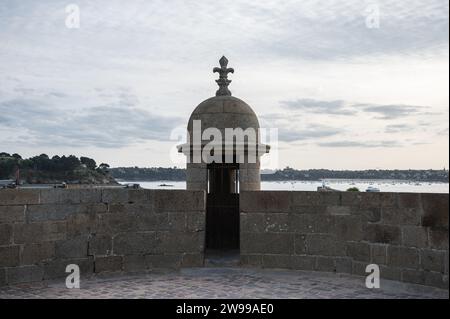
45,168
286,174
42,168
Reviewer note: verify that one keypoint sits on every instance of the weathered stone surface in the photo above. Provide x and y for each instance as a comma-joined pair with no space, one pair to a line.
195,221
100,245
320,244
47,212
403,257
382,234
332,199
5,234
159,221
72,248
9,256
378,254
196,174
81,224
115,195
19,196
338,210
179,200
275,222
134,263
415,236
70,196
142,196
2,277
313,210
306,199
352,199
269,243
390,273
303,262
401,216
435,207
358,251
251,260
108,263
57,268
252,222
372,215
192,260
343,265
12,214
413,276
432,260
135,243
180,242
325,264
112,224
24,274
438,238
370,200
409,200
310,223
300,245
35,253
163,261
388,199
348,228
436,280
359,268
266,201
176,221
39,231
277,261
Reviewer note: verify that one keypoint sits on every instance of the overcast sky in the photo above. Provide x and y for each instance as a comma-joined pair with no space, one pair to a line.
344,93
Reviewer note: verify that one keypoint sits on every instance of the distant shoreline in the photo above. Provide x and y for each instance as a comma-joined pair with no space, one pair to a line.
288,174
362,180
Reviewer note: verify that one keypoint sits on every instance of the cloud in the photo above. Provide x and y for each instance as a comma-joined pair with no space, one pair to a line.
399,128
101,126
311,132
370,144
337,107
389,112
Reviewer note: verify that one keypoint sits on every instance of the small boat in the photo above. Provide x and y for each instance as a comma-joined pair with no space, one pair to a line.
165,185
372,189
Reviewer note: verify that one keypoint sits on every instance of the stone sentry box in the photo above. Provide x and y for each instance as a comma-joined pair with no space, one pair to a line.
406,234
100,230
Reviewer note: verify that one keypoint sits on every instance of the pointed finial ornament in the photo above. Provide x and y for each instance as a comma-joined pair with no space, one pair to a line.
223,81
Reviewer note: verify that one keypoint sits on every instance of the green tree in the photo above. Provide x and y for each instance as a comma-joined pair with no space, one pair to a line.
89,162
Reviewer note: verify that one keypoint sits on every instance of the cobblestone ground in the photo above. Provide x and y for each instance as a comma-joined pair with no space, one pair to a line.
223,283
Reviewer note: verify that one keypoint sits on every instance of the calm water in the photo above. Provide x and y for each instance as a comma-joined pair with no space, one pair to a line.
382,185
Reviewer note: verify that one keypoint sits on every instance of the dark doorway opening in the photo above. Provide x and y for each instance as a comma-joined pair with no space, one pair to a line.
222,207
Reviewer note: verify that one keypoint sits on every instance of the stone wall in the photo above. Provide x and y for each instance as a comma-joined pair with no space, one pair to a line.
42,231
406,234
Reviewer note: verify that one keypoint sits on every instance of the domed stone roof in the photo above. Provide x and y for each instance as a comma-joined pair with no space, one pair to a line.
224,112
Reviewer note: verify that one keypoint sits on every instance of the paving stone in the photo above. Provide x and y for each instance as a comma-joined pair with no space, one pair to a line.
232,283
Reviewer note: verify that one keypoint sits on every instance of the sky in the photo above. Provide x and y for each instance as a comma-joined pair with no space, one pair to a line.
349,84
